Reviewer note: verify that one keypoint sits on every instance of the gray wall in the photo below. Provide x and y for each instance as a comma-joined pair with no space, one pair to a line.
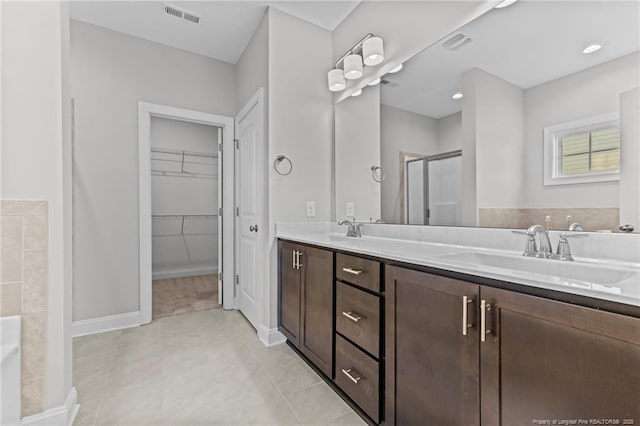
36,156
589,93
300,126
401,131
357,148
110,73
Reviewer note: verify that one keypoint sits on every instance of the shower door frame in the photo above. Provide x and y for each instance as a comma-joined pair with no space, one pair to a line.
425,181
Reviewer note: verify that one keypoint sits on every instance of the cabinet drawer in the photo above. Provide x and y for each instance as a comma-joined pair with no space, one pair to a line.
356,270
358,317
358,375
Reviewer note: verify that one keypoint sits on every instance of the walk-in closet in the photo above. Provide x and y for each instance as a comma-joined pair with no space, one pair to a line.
184,182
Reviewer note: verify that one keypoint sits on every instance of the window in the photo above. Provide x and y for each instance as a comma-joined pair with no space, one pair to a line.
583,151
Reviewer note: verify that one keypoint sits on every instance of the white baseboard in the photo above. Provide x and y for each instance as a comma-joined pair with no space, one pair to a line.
63,415
270,336
179,273
108,323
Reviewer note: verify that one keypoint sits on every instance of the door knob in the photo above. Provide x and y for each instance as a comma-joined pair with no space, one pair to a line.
253,228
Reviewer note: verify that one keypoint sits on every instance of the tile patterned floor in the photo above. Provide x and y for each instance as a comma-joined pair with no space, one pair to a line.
178,296
203,368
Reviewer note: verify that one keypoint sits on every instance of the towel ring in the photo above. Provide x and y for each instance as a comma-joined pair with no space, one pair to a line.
377,174
278,161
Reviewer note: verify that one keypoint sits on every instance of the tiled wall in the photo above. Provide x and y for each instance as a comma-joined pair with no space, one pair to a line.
592,219
23,289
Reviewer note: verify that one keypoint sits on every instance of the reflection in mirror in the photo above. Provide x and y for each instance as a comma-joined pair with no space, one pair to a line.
543,128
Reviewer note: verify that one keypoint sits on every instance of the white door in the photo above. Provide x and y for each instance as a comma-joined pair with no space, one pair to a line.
249,196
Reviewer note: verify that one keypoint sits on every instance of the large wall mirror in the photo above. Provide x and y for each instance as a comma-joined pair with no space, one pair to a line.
526,115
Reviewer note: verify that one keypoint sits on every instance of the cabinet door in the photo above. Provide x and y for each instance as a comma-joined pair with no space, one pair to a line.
317,308
548,360
289,293
432,369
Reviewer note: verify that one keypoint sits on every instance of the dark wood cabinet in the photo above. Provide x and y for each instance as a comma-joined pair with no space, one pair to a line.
432,352
543,359
305,313
523,358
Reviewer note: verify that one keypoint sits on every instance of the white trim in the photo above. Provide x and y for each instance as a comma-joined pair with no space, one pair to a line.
270,336
145,112
63,415
179,273
552,154
104,324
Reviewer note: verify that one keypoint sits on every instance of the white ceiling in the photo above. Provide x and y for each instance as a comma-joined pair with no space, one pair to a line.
527,44
225,27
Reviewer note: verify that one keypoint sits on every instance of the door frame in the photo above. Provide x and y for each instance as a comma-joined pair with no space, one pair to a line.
257,99
145,112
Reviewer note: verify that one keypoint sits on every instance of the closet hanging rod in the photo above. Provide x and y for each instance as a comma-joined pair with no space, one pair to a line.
179,216
183,174
184,152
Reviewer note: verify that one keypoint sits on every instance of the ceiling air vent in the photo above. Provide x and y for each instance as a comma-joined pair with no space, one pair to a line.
180,13
389,83
456,42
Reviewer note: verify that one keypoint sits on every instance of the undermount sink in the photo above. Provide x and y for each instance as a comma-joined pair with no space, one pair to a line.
567,273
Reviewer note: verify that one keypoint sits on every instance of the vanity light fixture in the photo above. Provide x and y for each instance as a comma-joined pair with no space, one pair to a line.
505,3
367,52
396,69
336,80
373,51
374,82
592,48
357,93
457,95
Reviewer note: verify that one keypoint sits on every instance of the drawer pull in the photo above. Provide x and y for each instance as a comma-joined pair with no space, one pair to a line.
352,316
352,271
348,372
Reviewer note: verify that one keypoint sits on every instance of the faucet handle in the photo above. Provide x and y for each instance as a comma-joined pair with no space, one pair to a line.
564,235
530,248
564,251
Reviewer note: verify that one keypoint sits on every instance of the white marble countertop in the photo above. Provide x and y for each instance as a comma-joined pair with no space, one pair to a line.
610,280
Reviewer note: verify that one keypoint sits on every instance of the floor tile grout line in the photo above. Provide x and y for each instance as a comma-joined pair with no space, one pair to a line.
286,401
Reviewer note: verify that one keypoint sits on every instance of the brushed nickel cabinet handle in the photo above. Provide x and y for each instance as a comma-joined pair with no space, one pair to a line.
352,316
348,372
293,261
484,308
299,256
465,314
352,271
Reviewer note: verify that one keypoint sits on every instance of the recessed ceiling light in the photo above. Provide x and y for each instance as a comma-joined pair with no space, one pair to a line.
396,69
457,95
592,48
357,93
505,3
374,82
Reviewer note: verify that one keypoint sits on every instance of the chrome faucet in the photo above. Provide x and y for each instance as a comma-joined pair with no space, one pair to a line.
353,230
545,251
576,227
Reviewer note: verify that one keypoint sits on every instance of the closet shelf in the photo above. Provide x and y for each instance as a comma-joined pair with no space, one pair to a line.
182,163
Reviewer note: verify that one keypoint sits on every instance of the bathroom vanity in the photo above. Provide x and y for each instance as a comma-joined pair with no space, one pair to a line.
408,336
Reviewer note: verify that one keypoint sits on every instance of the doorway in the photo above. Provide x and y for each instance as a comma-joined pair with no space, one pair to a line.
184,216
185,183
